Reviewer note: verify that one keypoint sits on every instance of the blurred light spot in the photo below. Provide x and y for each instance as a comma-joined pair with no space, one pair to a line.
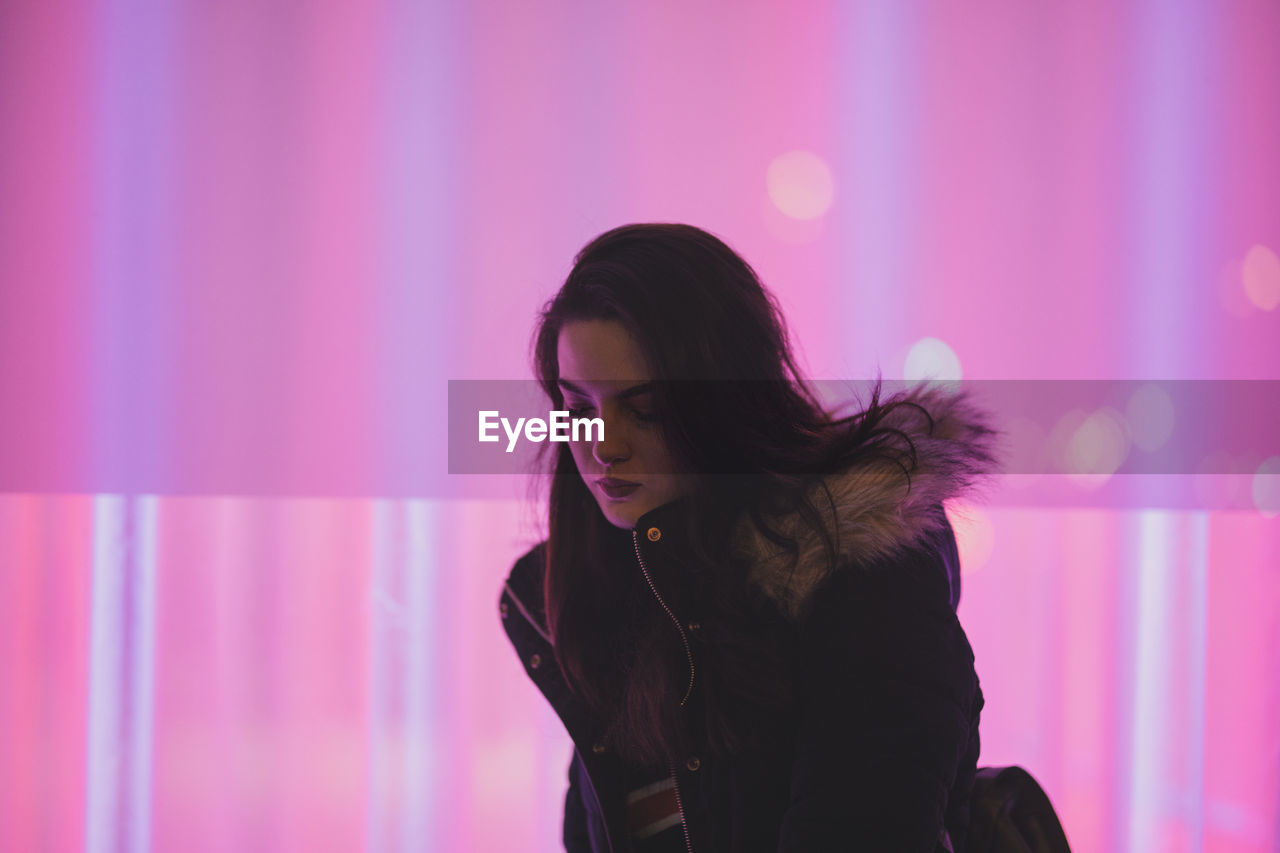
800,184
1230,292
1266,487
1100,444
975,536
931,359
1060,436
1150,415
1261,273
799,232
1089,448
1218,481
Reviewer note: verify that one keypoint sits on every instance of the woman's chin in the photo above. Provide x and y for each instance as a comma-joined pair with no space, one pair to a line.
622,514
623,519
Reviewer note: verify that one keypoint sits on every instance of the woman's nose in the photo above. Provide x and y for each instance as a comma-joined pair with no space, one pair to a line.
612,448
605,458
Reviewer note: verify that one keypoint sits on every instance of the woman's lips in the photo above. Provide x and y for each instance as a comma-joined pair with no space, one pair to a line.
616,489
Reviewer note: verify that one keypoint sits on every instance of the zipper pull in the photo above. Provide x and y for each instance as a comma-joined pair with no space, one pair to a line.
654,535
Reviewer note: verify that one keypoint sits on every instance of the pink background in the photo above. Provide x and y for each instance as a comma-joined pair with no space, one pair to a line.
244,245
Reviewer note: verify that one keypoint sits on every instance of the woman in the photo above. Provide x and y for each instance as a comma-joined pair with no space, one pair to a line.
744,609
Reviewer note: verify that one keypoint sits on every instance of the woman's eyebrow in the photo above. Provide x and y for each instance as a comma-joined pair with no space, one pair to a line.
633,391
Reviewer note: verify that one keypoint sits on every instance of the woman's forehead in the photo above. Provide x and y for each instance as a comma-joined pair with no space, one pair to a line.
600,356
623,390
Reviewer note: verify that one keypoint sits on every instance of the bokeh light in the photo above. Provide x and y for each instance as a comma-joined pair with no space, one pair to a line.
1230,291
1089,447
1266,487
1218,481
1261,274
1099,445
1149,412
931,359
800,184
797,232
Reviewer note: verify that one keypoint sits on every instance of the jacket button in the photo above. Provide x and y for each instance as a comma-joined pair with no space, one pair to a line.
535,661
693,763
597,748
503,609
654,534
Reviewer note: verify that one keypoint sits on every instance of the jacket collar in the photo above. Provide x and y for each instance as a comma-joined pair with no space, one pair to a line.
875,514
661,537
670,519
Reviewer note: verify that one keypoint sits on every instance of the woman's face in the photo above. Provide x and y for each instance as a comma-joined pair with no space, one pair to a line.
603,375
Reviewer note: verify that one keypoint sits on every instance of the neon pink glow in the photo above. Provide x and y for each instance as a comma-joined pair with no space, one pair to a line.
244,247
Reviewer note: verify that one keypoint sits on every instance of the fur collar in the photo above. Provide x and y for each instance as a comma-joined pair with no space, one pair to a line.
875,513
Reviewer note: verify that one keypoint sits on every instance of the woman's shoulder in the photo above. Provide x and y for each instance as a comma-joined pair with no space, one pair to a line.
914,578
892,616
522,590
917,561
530,564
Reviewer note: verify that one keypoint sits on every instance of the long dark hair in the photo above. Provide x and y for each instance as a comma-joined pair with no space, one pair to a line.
734,410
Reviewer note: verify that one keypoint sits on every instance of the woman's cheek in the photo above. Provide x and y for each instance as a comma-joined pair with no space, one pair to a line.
580,453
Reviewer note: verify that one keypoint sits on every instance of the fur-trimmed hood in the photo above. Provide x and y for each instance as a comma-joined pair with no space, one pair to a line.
875,512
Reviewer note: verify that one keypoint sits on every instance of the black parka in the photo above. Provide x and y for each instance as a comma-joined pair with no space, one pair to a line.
882,750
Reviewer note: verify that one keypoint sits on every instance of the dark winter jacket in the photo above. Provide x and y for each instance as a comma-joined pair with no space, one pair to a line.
882,750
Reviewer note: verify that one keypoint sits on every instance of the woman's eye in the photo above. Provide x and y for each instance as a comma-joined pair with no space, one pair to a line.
641,416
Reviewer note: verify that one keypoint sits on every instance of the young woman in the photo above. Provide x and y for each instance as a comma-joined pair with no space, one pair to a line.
744,610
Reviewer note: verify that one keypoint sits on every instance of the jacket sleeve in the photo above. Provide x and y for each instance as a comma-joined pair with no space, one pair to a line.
886,690
576,838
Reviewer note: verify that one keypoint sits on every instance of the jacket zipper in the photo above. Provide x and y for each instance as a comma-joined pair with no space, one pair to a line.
675,778
688,846
635,539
